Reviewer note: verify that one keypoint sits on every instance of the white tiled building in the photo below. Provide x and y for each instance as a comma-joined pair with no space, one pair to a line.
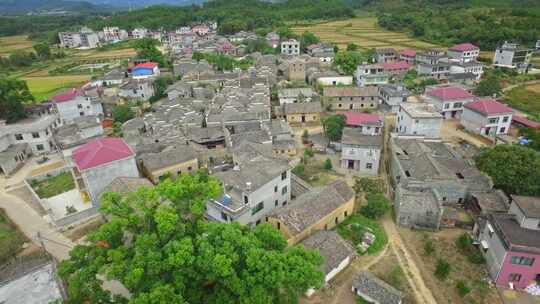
487,117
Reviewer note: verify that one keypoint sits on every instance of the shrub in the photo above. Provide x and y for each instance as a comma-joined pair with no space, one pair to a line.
462,288
368,185
429,247
442,269
476,257
464,242
328,164
305,136
299,169
376,207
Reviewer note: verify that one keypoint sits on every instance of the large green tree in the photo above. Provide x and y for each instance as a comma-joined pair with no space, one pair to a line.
514,169
147,49
43,50
333,126
122,113
488,87
159,246
13,95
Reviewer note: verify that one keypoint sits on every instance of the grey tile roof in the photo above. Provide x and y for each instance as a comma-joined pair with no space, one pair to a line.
492,201
302,107
29,125
295,92
530,205
332,247
312,206
375,288
350,91
168,157
353,136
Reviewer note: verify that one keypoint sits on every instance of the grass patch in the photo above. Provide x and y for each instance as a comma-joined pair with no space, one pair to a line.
525,100
54,185
45,87
315,173
353,229
11,239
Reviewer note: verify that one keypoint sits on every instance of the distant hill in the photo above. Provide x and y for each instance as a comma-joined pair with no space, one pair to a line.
8,7
144,3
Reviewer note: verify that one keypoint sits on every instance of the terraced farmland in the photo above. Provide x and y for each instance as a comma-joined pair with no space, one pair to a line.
362,31
13,43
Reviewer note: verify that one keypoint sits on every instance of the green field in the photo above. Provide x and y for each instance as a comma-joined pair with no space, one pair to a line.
14,43
526,99
362,31
54,185
47,86
11,239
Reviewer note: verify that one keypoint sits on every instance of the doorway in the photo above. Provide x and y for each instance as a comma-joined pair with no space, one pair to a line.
303,118
350,164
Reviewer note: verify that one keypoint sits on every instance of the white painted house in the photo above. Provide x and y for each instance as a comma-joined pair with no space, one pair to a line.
74,103
448,100
464,52
473,67
512,56
370,74
290,47
487,117
418,119
360,153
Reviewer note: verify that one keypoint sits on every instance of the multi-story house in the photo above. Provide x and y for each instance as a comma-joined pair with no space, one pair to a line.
272,39
139,33
370,74
69,39
419,119
466,67
487,117
114,33
296,70
74,103
464,52
433,64
201,30
294,95
252,190
351,98
290,47
89,39
301,112
392,95
396,67
323,51
20,140
85,38
407,55
385,55
360,153
448,100
512,56
227,48
137,89
510,243
367,124
97,163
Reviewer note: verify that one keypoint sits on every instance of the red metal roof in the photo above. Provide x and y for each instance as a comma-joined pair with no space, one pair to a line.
408,53
464,47
313,46
399,65
488,106
147,65
99,152
449,93
68,95
357,119
525,122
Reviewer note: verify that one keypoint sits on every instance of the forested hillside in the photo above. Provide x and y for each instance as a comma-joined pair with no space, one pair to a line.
485,23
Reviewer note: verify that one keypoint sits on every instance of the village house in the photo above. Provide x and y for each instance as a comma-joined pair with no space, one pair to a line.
139,33
272,39
481,204
304,112
418,164
201,30
295,70
111,78
114,34
170,162
351,98
487,117
253,188
320,208
97,163
370,74
136,90
323,51
513,56
145,70
290,47
407,55
18,141
85,38
510,243
294,95
328,78
419,119
336,251
448,100
82,130
385,55
433,64
396,67
366,123
74,103
473,67
392,95
227,48
464,52
360,153
374,290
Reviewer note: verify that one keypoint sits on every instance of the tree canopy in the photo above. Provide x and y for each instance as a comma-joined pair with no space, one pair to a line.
488,87
13,95
147,49
159,246
334,125
514,169
122,113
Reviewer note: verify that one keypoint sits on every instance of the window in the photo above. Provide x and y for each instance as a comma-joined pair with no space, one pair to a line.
81,113
514,277
275,189
447,106
18,137
79,106
521,260
416,121
345,213
189,168
458,105
493,120
284,190
284,203
35,135
501,130
246,199
257,222
224,216
259,207
276,203
284,175
278,225
336,220
505,119
40,147
369,166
